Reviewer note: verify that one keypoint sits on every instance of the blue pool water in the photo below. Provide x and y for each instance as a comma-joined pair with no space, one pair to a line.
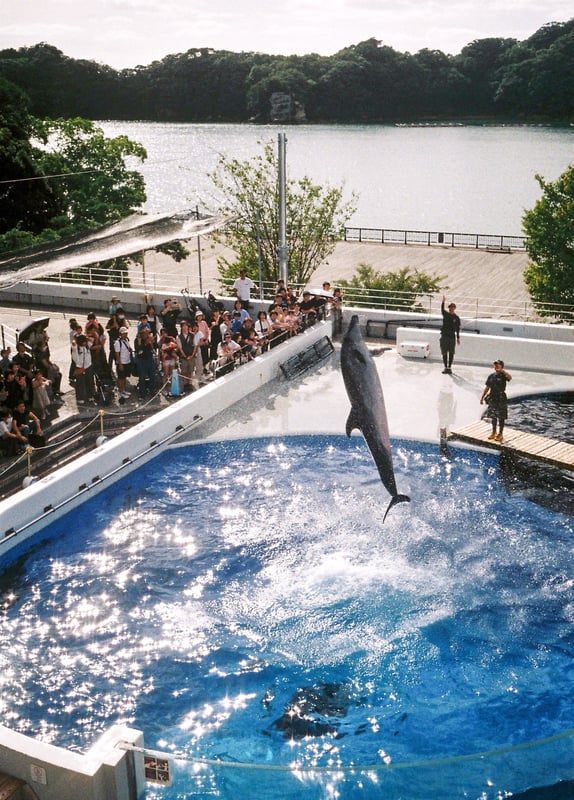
242,601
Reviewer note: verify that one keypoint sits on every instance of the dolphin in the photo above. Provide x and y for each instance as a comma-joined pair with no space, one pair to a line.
368,412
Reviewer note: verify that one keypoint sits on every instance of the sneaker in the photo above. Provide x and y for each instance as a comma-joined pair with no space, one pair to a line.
493,436
499,437
125,395
445,371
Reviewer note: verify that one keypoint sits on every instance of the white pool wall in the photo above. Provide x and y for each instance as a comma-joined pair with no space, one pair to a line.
555,357
105,772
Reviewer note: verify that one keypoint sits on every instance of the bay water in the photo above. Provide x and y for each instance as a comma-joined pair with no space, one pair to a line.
464,179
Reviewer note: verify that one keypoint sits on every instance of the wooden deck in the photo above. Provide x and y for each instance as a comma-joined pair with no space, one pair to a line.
531,445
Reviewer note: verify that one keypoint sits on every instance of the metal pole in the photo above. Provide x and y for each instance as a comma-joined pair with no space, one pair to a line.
282,244
260,265
199,256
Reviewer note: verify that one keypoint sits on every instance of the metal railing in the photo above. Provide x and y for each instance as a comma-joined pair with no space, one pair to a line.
467,305
484,241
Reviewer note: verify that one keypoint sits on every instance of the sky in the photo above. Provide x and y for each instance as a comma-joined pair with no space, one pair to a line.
128,33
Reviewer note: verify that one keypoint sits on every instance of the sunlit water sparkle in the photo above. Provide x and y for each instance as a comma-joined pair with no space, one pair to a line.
223,584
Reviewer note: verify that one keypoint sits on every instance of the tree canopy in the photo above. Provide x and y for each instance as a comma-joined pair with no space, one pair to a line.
60,177
549,226
404,288
316,216
493,78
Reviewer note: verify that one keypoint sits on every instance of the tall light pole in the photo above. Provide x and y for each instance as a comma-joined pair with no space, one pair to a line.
282,244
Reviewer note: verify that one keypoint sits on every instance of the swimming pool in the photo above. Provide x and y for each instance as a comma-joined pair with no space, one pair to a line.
242,601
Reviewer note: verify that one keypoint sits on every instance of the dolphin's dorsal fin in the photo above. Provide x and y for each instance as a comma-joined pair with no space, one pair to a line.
353,422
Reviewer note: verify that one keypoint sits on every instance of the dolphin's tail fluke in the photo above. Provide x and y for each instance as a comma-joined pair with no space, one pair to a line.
398,498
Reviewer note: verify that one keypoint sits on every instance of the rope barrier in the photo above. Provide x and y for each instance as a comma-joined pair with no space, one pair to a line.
13,465
125,413
295,768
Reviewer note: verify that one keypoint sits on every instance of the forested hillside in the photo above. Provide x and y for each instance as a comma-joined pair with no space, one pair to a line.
496,79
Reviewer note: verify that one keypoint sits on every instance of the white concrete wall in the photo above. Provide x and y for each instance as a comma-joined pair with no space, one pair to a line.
94,298
97,299
492,327
517,353
30,510
105,772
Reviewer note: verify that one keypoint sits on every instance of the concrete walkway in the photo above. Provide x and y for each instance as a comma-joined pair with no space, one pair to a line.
467,275
419,399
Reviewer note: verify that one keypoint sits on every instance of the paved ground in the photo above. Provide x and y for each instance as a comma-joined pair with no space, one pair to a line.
419,399
491,282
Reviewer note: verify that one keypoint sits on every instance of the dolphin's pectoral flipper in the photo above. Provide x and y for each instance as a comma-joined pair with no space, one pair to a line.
398,498
353,421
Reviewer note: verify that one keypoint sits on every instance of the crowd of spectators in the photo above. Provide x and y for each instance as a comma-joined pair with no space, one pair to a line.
30,386
103,356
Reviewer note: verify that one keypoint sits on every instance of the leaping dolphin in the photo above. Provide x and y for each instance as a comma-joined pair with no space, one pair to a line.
368,412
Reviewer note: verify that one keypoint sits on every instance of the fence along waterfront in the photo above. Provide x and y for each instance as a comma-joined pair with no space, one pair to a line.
154,283
439,238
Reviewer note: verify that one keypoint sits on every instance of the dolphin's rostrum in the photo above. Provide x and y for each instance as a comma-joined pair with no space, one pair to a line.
368,412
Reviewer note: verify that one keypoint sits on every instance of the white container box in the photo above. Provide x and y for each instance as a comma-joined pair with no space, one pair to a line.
414,349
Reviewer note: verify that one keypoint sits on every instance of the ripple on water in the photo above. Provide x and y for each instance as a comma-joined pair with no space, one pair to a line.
243,600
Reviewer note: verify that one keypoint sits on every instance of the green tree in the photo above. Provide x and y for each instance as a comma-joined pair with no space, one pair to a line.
394,290
97,187
26,199
549,226
316,217
479,63
62,178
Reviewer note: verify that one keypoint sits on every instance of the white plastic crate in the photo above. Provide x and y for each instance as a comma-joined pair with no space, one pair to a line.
414,349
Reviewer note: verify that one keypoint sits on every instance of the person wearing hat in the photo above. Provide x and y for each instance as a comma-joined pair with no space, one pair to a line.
115,306
83,369
225,325
495,395
227,352
308,309
194,359
124,356
203,328
143,322
449,334
236,322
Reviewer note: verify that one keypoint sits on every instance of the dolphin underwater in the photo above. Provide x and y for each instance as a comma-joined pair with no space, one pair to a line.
368,413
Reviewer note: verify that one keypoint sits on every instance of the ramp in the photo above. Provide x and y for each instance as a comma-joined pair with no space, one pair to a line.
532,445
